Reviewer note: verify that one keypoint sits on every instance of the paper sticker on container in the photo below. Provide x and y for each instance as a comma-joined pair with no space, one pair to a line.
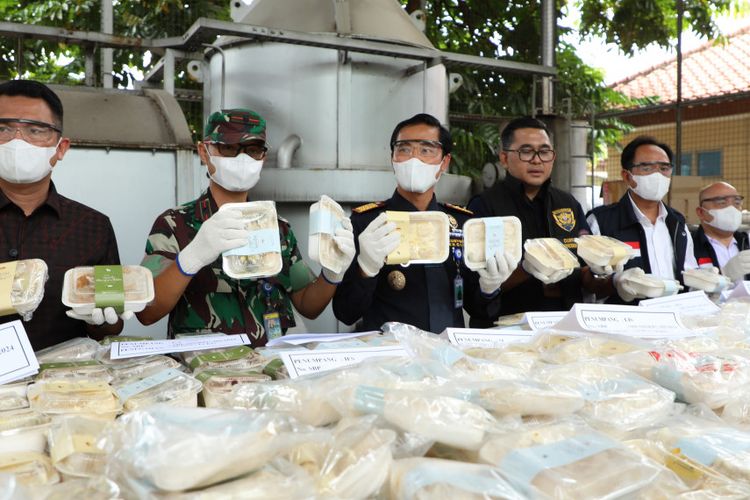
603,251
84,289
485,236
425,237
22,286
261,256
325,217
549,255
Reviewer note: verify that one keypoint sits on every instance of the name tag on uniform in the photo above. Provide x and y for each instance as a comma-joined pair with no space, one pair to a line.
272,325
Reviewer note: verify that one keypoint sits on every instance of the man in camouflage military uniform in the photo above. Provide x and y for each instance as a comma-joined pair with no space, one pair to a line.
185,245
428,296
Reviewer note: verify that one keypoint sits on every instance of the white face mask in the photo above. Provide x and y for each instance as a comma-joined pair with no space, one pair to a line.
416,176
652,186
236,174
726,219
24,163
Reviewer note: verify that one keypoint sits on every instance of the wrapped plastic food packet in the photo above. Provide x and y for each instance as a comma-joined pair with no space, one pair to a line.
602,251
22,287
139,368
29,468
13,396
219,386
77,349
486,235
525,397
74,396
90,369
73,448
737,410
168,386
325,217
592,347
261,256
23,430
82,290
425,237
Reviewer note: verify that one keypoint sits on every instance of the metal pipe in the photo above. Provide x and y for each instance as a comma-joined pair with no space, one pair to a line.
223,67
678,102
286,151
548,53
107,27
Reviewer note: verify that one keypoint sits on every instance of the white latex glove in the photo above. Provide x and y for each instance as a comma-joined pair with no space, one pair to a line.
607,270
223,231
100,316
706,279
498,268
375,243
344,239
624,285
556,276
738,266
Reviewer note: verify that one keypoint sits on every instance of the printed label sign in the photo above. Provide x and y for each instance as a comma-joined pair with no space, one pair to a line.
299,363
17,358
122,350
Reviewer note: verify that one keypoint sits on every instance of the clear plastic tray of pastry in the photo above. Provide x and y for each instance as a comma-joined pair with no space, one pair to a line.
549,255
139,368
603,250
23,430
77,349
654,286
29,468
238,358
77,369
218,385
261,219
27,290
325,216
74,396
13,396
78,288
181,391
72,446
475,239
708,280
425,237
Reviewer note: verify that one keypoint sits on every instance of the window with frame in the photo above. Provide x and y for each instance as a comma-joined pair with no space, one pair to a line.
686,164
709,163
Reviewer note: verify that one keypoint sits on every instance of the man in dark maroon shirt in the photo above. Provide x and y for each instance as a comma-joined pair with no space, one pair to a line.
37,222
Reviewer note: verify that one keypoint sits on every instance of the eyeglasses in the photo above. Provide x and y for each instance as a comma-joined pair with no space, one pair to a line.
32,131
649,167
256,151
428,150
527,154
725,201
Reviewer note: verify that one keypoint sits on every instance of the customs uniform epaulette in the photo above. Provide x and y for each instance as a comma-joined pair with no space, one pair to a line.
367,207
457,208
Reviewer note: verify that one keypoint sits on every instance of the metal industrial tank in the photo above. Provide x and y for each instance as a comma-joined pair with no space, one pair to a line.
330,112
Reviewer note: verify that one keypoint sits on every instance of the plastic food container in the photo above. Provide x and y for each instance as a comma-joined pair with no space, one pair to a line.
77,396
261,256
168,386
325,217
78,288
485,236
26,287
425,237
238,358
13,396
705,279
75,369
72,446
77,349
549,255
141,368
219,385
603,250
653,286
23,430
29,468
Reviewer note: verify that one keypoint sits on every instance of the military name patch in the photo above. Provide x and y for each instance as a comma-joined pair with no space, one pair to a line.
564,218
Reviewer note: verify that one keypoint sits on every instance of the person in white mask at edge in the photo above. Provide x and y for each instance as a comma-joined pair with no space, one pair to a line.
37,222
185,245
429,296
656,232
718,241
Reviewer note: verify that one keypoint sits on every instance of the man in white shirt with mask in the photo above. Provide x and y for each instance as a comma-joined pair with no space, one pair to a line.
185,247
717,241
429,296
656,232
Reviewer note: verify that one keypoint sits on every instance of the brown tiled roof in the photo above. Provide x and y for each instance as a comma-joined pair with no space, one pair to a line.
713,69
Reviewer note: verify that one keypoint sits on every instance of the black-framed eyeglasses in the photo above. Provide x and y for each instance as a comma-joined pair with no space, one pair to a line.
527,154
725,201
32,131
428,150
256,151
649,167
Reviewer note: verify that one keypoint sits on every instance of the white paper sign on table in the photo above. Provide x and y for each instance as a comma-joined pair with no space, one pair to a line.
122,350
17,358
542,320
478,337
633,321
685,303
307,338
305,362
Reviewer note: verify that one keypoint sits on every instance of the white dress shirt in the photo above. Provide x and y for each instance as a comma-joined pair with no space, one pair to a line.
723,254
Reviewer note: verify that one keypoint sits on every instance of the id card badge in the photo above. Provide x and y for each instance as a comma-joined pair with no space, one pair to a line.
458,292
272,325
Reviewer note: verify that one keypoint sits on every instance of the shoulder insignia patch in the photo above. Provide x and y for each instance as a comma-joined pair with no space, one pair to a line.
367,207
463,210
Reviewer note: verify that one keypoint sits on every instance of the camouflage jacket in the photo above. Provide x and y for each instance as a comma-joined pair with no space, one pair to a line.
214,302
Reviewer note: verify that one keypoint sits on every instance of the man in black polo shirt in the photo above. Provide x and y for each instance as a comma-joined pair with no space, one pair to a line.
545,211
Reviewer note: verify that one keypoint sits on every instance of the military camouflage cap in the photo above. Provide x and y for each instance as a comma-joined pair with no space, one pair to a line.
235,126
